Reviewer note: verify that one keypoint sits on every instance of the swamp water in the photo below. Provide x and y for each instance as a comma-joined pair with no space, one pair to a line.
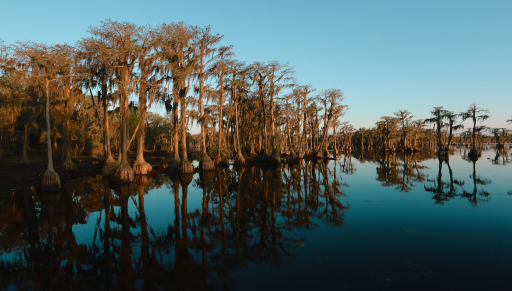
365,221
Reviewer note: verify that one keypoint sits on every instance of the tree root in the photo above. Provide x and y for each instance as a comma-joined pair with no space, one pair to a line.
141,167
124,173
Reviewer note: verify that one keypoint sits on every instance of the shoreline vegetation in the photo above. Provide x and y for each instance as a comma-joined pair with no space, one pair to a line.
89,102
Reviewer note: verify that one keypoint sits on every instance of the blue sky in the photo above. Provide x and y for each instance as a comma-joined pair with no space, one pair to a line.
384,55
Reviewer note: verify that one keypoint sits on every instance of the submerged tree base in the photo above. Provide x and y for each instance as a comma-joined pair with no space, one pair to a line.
69,165
239,159
109,168
205,163
174,164
186,167
51,181
124,173
141,167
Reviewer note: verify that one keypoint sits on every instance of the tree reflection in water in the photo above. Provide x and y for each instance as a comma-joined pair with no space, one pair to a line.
478,194
400,170
443,191
246,215
404,171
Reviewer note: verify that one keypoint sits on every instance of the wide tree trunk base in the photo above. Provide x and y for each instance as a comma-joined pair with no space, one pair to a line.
253,154
293,154
109,168
124,173
186,167
110,160
239,159
69,165
207,165
51,181
141,167
174,164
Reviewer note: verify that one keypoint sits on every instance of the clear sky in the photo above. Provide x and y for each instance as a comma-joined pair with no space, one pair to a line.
384,55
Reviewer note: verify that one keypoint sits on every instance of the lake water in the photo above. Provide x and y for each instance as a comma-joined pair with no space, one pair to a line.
364,222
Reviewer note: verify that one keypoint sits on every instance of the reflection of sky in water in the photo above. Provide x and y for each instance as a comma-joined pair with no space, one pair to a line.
385,226
384,230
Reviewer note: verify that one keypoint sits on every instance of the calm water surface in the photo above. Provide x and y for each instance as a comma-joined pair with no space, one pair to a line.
365,221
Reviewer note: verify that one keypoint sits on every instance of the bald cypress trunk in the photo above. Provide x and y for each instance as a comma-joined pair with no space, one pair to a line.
51,179
185,166
106,130
141,167
124,172
24,159
239,156
218,159
205,162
